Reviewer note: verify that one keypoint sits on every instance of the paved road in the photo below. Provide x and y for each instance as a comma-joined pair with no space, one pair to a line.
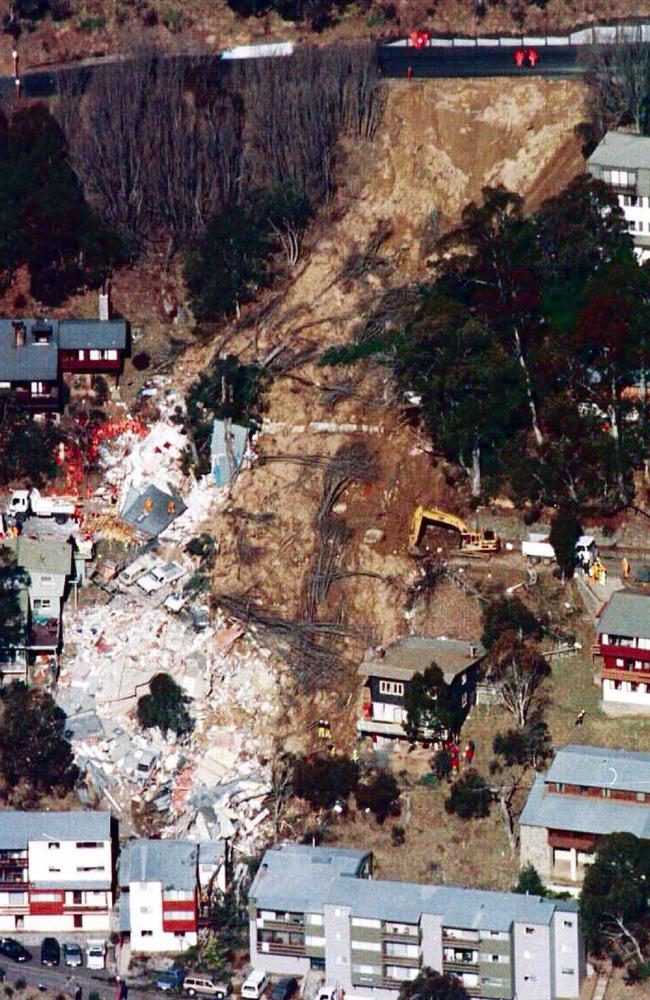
549,60
552,61
65,979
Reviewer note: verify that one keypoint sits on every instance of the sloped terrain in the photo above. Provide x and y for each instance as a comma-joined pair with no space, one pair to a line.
439,144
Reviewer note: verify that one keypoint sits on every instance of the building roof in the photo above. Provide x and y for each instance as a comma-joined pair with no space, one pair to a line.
40,555
98,334
626,613
307,880
171,862
622,150
554,811
163,509
31,360
601,767
413,654
17,828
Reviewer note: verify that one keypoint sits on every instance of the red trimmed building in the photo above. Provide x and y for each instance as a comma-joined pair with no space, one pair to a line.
160,885
37,354
56,872
624,648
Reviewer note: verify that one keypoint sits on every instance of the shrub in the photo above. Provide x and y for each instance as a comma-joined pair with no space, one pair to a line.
324,781
470,797
141,361
173,20
379,795
397,836
90,24
20,984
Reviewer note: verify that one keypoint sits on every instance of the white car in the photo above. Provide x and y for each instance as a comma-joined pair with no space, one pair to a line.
161,575
96,953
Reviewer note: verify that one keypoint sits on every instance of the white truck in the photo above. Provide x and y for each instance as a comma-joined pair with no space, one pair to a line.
96,953
24,502
537,548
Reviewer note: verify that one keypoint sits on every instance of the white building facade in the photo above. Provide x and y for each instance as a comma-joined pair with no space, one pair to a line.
622,160
160,886
56,872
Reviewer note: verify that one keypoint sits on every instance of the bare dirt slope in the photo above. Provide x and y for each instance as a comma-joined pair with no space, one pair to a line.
438,145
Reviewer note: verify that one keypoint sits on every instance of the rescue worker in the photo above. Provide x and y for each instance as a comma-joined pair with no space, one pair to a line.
469,753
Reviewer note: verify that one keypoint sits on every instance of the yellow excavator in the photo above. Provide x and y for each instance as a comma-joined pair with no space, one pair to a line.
470,541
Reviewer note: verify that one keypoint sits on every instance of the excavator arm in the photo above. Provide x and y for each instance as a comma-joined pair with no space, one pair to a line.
433,515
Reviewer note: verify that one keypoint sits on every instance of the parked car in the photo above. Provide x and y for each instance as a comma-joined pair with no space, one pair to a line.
96,953
172,979
50,952
14,950
73,955
254,985
159,576
175,603
198,984
285,988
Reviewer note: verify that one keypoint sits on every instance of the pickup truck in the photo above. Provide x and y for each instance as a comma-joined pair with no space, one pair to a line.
159,576
24,502
170,980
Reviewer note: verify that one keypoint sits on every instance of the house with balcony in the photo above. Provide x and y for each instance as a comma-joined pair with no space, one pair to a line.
388,672
623,645
161,885
588,792
48,568
56,872
319,908
36,355
622,160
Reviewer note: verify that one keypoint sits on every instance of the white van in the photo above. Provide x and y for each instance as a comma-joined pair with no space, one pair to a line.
137,568
254,985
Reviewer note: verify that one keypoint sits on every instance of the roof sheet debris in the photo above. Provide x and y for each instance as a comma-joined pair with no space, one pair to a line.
151,511
214,784
227,449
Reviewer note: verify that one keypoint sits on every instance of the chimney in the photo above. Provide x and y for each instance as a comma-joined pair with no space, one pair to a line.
105,302
19,334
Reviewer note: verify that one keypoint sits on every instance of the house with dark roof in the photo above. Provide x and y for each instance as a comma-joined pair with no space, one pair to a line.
622,160
161,882
319,908
150,511
588,792
56,872
624,647
388,673
37,354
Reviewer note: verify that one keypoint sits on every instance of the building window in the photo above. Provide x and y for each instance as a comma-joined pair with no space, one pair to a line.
145,909
530,930
54,845
95,355
81,355
146,933
76,897
54,871
363,922
78,921
89,843
568,972
568,923
91,868
640,796
37,388
110,355
179,934
391,687
530,979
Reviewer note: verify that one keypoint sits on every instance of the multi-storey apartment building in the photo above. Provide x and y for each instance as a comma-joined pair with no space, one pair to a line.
160,885
622,160
624,648
587,792
56,871
319,908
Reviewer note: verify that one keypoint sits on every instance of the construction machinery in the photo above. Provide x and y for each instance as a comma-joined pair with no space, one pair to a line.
470,541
